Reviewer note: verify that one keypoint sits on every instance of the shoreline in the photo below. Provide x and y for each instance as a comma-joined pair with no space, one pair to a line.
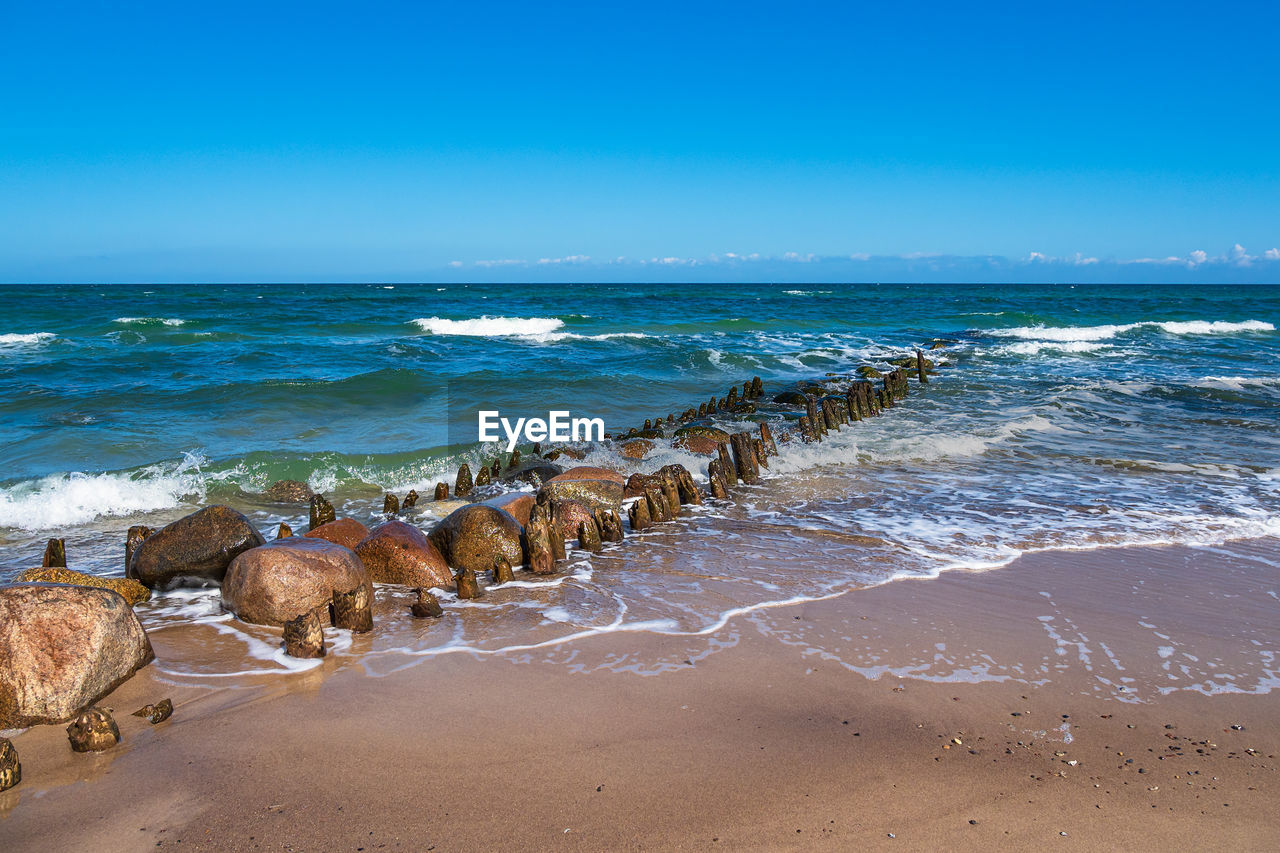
742,737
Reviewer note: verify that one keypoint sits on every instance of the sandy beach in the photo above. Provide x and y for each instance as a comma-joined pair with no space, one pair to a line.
1039,704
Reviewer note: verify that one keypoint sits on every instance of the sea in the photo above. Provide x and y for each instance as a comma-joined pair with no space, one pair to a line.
1058,418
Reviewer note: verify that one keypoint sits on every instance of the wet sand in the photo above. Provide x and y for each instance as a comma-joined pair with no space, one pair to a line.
1057,701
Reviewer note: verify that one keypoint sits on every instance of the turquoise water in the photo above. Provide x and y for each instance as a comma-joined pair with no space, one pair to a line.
1060,416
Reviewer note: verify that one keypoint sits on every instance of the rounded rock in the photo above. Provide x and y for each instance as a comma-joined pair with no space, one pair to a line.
473,535
196,548
346,532
288,578
399,553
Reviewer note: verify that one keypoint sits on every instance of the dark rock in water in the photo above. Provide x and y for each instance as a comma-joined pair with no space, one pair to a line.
304,636
638,515
829,416
535,473
346,532
353,609
538,557
702,410
471,536
284,531
922,368
806,430
686,487
595,488
410,500
557,528
537,448
744,458
157,713
514,462
321,512
95,730
610,525
636,484
657,502
502,570
10,767
55,554
484,477
63,648
285,578
468,584
391,504
727,470
495,470
137,534
762,458
757,387
716,480
766,437
442,491
197,548
700,438
670,491
132,591
463,485
427,605
396,552
288,492
866,371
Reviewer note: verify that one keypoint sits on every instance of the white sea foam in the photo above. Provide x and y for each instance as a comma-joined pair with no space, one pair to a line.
1101,333
151,321
804,292
1238,383
490,327
1034,347
20,341
61,500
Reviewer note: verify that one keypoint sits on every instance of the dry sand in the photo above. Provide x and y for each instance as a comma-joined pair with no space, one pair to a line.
773,734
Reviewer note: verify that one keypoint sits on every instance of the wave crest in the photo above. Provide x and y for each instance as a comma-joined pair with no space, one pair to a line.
490,327
1101,333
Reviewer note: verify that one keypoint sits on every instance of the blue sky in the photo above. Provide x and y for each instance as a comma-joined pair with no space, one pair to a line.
745,141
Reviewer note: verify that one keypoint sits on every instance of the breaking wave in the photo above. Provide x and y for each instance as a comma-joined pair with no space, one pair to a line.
1101,333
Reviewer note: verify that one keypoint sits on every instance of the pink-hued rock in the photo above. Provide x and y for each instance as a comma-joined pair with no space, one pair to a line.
346,532
287,578
397,552
64,648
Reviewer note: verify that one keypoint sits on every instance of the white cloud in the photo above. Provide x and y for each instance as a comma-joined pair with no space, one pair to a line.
799,258
570,259
1199,256
1272,254
1240,257
455,264
505,262
1039,257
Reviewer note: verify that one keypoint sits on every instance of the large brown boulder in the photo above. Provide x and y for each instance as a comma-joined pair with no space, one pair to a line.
197,548
515,504
396,552
595,488
346,532
289,577
132,591
473,535
571,514
704,440
636,448
63,648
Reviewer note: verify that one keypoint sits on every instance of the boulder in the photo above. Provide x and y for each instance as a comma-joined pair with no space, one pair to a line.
703,440
473,535
790,398
571,515
636,448
595,488
95,730
396,552
197,548
288,492
287,578
515,504
132,591
346,532
64,648
534,471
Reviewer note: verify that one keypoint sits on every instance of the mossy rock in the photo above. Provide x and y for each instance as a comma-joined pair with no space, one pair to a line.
866,371
130,590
